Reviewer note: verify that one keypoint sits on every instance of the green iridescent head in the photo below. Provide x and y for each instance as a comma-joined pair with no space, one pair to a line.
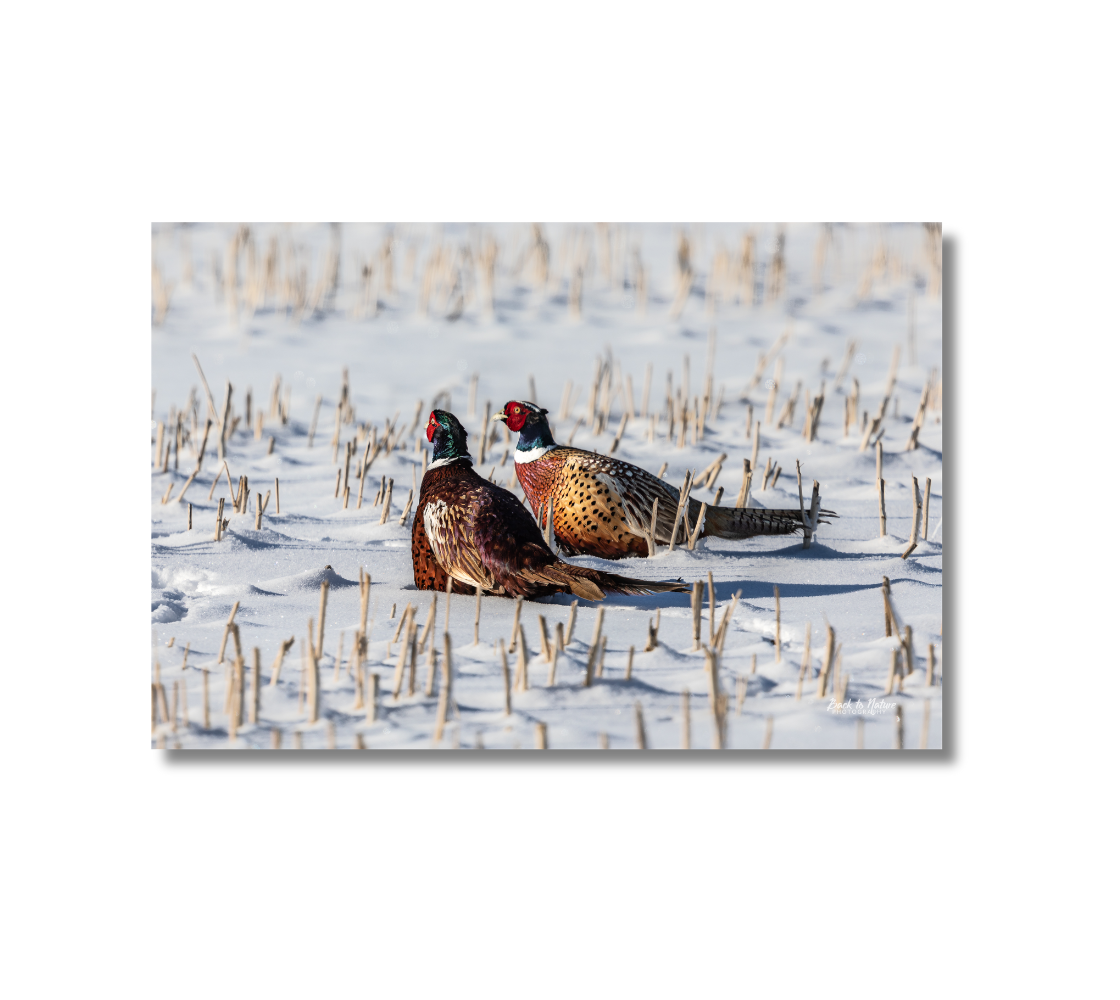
448,437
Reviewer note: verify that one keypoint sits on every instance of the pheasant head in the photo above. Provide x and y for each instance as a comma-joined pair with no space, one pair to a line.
530,420
449,438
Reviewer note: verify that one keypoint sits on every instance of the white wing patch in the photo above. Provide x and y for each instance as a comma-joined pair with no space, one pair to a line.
437,517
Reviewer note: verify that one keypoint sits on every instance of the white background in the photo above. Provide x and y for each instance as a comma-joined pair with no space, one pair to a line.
980,870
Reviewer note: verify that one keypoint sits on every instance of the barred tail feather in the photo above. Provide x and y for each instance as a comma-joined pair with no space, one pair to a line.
592,584
746,522
613,583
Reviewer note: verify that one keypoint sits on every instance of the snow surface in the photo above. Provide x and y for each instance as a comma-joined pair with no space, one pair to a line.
400,356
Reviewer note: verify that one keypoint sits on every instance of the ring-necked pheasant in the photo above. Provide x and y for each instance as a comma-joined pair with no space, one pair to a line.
478,533
603,506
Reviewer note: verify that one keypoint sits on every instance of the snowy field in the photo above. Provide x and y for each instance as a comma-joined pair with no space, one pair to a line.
470,317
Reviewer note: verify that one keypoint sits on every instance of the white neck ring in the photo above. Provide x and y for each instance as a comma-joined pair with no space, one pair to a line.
522,457
439,463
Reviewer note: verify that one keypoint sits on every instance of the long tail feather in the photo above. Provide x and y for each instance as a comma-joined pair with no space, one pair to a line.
629,585
591,584
616,584
745,522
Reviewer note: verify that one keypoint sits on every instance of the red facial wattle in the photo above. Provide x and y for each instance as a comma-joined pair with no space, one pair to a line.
432,425
515,416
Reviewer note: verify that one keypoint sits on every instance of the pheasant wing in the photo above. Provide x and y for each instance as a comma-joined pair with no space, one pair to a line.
604,505
510,544
450,535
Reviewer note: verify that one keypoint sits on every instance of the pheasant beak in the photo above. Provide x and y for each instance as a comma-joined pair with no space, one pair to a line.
500,415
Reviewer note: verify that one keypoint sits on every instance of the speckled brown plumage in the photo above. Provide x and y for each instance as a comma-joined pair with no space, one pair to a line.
597,500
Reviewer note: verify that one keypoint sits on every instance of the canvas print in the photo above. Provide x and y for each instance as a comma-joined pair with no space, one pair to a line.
602,486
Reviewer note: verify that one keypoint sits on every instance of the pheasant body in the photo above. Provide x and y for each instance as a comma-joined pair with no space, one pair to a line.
603,506
597,501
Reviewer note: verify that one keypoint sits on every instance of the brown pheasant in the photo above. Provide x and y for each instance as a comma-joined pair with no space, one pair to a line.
478,533
603,506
